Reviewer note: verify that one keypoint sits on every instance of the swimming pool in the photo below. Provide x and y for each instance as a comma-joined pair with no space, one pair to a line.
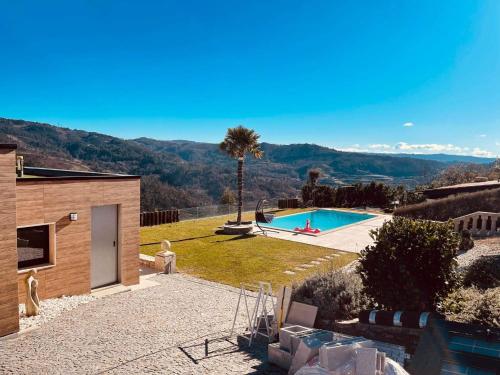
324,220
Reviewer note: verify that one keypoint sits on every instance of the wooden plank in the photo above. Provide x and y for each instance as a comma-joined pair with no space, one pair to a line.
9,310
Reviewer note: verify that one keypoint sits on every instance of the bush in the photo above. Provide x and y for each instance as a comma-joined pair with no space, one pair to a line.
336,293
466,241
411,266
471,305
484,273
372,194
320,195
453,207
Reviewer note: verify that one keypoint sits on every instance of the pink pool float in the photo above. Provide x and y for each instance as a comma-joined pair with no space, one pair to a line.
307,228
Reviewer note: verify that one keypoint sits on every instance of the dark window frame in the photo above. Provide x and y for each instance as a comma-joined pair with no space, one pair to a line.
46,246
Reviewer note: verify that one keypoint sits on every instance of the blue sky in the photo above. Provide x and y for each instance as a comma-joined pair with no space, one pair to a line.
345,74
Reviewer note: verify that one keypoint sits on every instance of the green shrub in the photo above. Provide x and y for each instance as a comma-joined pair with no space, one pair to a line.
471,305
372,194
320,195
484,273
336,293
466,241
412,264
453,207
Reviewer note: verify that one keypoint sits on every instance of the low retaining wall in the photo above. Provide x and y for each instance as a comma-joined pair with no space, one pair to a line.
164,261
407,337
147,261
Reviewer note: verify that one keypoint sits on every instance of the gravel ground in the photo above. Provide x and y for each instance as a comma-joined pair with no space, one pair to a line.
51,309
482,247
161,329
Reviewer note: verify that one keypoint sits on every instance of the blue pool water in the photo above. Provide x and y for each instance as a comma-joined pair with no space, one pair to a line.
324,220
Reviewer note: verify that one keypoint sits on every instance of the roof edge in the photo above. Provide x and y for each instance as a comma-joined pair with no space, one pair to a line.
8,146
66,173
75,178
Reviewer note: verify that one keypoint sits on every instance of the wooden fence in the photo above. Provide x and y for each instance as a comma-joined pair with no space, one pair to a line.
288,203
159,217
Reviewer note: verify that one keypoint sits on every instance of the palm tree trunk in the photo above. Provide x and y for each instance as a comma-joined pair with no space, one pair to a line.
240,189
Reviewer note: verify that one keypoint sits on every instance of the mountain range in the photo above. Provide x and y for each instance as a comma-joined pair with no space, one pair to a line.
451,159
181,173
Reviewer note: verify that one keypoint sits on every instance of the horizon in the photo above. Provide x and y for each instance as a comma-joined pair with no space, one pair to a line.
335,75
388,153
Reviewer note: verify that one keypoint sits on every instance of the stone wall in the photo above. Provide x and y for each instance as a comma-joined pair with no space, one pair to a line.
407,337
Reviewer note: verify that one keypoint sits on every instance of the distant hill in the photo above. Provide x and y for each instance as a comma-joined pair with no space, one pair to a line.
445,158
185,173
293,161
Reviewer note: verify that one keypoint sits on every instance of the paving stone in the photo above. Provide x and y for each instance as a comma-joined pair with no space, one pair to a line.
289,272
140,332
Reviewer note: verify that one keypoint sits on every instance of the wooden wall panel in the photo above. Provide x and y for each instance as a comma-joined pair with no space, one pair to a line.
30,205
9,309
71,274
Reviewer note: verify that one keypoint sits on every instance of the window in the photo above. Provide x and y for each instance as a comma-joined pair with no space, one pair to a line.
34,245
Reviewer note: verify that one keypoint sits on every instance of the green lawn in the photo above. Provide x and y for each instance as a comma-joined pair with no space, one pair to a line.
235,259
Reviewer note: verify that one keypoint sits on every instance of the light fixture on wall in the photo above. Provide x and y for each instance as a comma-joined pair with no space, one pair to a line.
73,216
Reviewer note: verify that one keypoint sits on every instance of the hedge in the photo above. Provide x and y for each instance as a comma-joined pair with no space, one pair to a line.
453,207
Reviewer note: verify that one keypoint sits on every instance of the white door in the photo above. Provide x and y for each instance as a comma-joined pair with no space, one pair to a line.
104,259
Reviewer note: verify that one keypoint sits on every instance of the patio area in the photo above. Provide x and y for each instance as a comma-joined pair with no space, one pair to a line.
352,238
160,329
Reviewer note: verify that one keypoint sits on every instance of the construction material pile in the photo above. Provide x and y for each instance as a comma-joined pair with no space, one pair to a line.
307,351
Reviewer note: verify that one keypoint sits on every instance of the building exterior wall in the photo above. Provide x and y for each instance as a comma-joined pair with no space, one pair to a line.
44,202
9,309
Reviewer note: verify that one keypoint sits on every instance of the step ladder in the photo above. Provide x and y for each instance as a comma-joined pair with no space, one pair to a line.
259,312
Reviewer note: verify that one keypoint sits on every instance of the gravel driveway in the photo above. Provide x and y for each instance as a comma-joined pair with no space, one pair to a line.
141,332
482,247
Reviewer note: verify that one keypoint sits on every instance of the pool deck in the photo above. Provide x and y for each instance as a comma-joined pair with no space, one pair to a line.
352,238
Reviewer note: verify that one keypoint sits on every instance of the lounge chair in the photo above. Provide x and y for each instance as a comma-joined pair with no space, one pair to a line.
263,218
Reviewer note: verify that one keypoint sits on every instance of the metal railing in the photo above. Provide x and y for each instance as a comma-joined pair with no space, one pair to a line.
201,212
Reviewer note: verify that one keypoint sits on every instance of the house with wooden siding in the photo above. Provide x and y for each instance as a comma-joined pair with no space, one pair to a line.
79,230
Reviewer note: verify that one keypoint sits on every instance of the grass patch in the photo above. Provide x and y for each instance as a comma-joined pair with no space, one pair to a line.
235,259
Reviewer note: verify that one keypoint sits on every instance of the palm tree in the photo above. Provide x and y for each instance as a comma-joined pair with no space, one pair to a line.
238,142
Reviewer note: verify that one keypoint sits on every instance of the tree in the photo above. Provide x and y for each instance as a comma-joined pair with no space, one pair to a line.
228,197
496,169
238,142
314,175
412,264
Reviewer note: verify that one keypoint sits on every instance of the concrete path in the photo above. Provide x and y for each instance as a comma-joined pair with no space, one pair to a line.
352,238
159,330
